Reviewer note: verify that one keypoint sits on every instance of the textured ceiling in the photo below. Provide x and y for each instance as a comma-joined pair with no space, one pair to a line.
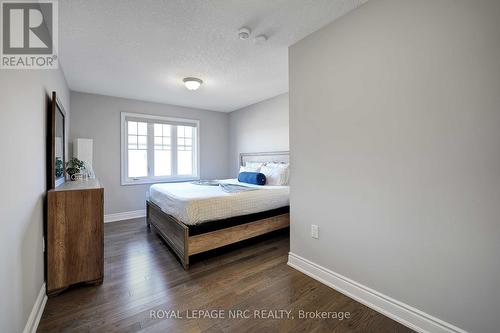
143,49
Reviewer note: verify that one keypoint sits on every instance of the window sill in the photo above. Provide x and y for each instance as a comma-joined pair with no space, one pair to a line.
157,181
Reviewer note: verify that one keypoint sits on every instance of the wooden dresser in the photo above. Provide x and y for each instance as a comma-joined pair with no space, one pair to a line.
75,235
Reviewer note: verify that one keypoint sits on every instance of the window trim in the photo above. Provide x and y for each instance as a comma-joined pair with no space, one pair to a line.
125,180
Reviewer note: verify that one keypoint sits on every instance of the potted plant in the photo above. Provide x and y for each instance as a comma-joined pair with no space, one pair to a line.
74,167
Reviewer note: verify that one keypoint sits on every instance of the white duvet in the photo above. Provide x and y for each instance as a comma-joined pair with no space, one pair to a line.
194,204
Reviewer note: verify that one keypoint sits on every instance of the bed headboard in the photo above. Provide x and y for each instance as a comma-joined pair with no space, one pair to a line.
273,156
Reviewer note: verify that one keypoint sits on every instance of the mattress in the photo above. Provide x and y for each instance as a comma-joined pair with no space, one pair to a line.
194,204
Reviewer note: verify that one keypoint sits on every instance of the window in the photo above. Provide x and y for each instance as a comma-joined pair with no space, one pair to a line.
158,149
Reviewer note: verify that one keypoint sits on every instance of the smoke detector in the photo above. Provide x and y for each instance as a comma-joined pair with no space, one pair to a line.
244,33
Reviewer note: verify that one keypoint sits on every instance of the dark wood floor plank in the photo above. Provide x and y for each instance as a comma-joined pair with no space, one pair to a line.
142,275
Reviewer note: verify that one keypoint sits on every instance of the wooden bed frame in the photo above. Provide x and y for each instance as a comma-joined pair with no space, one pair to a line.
176,234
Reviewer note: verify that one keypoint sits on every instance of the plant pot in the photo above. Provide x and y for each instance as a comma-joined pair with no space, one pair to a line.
76,176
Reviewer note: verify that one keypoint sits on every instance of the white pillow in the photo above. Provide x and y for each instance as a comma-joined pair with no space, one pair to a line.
285,167
248,169
275,175
278,165
254,165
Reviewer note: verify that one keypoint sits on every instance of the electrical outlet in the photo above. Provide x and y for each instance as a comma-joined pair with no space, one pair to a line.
314,231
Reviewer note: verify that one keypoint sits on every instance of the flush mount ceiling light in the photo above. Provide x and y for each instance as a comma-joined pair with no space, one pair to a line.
192,83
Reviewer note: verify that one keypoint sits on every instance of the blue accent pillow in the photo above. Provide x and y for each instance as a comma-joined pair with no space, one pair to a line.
256,178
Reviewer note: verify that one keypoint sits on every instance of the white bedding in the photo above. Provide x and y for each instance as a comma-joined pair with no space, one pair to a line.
194,204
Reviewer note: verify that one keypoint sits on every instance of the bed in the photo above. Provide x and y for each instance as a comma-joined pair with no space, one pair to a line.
193,219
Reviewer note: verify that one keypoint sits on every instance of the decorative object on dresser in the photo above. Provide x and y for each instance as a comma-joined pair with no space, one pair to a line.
82,150
75,235
75,168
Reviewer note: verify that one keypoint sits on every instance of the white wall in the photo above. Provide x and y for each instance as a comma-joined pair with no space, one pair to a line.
395,149
23,124
97,117
260,127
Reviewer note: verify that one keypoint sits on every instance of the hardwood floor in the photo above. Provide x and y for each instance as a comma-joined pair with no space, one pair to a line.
141,275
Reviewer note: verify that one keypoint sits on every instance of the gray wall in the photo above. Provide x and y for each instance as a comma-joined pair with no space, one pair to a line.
23,125
98,117
394,135
258,128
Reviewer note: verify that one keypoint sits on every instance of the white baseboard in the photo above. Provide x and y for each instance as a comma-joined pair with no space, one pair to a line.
403,313
36,312
124,216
